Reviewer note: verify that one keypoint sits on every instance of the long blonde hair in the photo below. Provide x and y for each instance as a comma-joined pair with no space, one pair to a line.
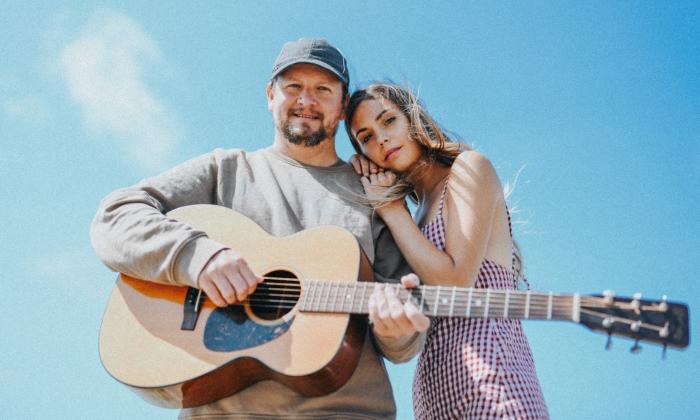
436,144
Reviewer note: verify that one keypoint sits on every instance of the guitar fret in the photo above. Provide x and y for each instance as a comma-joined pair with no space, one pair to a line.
335,288
328,296
486,305
527,305
469,302
344,298
422,298
452,303
549,306
364,299
437,299
311,288
352,300
505,306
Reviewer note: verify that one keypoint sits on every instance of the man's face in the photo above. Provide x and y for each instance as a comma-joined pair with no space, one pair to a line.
306,103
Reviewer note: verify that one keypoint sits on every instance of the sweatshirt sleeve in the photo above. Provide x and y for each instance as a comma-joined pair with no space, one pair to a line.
389,266
131,233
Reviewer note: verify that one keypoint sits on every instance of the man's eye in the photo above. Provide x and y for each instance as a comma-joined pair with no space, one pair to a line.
324,88
389,120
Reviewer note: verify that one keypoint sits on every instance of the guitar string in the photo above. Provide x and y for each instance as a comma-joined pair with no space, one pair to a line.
514,303
625,320
590,301
323,283
494,307
433,294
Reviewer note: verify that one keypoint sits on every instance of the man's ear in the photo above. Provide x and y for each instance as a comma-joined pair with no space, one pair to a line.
270,97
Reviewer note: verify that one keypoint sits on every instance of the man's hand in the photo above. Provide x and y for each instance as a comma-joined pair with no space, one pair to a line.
227,279
390,317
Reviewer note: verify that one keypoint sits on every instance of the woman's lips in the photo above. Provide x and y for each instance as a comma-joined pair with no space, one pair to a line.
391,153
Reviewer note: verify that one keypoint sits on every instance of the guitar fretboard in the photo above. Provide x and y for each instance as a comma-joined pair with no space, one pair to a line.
323,296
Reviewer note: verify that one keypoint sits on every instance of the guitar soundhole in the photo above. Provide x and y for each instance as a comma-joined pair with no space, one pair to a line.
276,295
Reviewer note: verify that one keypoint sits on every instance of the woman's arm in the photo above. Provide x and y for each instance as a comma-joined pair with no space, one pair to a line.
473,193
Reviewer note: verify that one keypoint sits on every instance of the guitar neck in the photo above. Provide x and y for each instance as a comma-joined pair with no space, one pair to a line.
444,301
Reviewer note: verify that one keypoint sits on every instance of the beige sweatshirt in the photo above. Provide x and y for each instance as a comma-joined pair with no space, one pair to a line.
131,235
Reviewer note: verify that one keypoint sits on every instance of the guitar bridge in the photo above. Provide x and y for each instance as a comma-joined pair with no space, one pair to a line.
190,308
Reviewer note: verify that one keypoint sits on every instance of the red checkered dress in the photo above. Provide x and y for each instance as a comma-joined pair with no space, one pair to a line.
476,368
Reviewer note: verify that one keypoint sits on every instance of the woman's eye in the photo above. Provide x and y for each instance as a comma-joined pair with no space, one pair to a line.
365,139
389,120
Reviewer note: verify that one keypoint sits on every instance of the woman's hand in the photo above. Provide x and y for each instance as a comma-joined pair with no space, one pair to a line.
376,186
364,166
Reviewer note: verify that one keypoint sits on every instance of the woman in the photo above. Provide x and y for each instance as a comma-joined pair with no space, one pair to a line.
461,236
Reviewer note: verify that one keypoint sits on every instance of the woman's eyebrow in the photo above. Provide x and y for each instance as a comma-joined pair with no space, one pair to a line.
377,118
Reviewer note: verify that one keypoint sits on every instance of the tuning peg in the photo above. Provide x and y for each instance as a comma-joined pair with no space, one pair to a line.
635,304
608,296
608,343
635,326
663,306
663,333
636,348
608,322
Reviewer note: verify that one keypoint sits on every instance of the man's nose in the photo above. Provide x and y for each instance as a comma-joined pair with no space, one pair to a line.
306,97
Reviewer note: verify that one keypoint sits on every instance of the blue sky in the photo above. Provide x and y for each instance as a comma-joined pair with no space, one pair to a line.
596,105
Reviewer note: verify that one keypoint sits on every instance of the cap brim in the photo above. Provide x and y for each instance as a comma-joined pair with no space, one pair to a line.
318,63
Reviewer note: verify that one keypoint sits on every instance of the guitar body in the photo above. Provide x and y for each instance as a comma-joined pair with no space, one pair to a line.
143,345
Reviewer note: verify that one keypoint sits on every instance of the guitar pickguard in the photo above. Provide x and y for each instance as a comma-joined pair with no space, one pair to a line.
230,328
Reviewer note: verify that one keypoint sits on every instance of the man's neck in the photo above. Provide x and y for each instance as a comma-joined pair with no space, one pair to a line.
322,155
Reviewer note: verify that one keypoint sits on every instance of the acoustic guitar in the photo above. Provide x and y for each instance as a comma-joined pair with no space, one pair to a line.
305,324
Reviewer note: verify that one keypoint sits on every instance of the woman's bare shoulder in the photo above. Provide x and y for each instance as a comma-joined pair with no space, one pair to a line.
473,170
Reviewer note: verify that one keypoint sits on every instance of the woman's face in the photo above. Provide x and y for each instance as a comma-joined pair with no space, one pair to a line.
382,132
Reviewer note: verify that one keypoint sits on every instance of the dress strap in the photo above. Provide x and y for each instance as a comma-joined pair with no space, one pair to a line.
510,224
442,197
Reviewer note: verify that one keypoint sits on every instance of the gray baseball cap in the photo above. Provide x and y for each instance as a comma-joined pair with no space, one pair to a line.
312,51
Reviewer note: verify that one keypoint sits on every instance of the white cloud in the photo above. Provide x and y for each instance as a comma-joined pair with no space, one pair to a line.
105,69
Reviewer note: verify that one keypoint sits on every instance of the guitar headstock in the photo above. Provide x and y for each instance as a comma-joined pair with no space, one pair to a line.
655,321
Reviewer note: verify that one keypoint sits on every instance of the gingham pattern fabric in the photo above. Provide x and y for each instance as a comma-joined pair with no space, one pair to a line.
476,368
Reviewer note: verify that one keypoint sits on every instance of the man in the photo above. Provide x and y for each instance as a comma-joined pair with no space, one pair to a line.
297,183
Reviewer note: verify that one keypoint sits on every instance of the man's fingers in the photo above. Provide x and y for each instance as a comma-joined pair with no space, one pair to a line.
227,278
250,278
212,292
223,287
410,281
418,320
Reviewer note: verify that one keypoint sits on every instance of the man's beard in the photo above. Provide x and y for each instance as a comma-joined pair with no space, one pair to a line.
300,136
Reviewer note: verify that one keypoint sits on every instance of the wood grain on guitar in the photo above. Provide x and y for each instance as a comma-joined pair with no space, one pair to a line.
304,325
